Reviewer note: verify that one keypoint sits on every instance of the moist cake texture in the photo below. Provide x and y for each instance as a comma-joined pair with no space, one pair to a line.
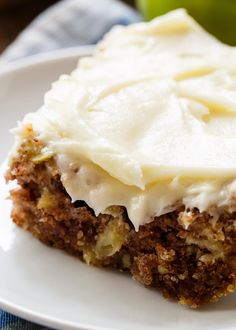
130,163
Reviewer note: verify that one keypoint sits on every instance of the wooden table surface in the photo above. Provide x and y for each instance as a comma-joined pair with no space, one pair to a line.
14,18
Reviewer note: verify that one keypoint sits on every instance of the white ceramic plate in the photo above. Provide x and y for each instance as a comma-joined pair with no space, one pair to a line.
45,285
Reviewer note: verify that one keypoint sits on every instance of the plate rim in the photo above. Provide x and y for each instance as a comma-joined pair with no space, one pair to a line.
46,57
44,320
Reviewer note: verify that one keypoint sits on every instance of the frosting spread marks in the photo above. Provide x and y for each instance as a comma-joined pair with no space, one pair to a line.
148,122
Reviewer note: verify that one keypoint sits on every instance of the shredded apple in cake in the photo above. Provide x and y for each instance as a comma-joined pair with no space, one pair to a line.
131,161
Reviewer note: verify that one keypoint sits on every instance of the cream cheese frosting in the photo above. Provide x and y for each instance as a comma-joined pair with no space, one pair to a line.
148,122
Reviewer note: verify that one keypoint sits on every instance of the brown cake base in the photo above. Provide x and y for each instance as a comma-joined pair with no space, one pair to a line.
194,265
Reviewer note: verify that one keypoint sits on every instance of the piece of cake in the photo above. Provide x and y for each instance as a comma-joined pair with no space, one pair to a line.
131,161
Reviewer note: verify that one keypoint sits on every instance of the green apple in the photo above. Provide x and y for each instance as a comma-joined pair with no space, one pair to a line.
216,16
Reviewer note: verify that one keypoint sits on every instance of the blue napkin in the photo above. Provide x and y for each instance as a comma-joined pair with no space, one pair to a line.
67,24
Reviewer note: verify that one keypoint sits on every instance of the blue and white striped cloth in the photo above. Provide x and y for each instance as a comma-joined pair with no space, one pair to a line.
67,24
70,23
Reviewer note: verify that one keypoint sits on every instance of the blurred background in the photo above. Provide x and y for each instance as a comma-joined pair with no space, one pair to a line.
217,16
15,15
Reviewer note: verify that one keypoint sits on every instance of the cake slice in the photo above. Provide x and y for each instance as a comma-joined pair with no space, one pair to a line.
131,161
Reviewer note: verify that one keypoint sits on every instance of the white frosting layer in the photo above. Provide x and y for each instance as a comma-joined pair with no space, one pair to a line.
149,122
